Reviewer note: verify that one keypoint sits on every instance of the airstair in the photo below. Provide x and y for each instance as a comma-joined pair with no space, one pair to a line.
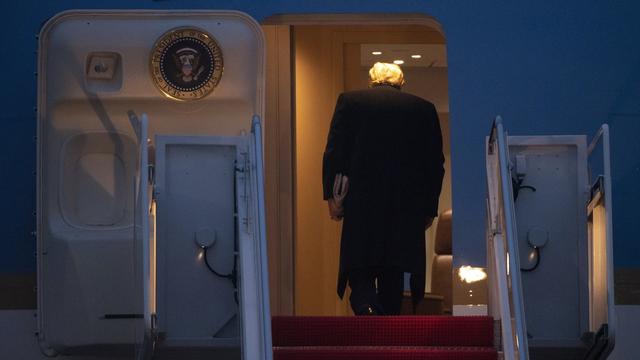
551,276
206,192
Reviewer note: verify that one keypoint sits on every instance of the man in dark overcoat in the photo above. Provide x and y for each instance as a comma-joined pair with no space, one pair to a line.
389,146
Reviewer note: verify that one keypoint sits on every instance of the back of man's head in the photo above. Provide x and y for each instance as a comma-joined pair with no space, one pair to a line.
386,74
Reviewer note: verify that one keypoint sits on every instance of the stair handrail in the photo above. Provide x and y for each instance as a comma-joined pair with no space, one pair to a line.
261,228
502,245
602,136
141,201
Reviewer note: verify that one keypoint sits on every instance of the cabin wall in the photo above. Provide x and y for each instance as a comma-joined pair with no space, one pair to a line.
317,236
546,67
327,62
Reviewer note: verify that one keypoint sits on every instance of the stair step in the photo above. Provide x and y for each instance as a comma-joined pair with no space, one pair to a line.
383,353
382,331
557,353
197,353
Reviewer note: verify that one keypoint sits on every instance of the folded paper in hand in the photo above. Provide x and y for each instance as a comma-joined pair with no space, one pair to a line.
340,188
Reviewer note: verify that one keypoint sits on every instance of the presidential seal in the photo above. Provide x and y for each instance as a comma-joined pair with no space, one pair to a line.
186,64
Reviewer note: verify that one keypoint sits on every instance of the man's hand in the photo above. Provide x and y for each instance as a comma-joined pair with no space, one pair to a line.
335,210
428,223
340,189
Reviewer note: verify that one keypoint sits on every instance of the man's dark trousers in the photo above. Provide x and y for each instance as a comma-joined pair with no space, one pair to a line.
385,298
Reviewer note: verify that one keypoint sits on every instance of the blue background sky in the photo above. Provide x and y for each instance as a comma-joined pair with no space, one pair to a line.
548,67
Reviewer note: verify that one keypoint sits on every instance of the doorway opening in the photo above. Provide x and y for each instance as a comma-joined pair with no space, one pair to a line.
310,61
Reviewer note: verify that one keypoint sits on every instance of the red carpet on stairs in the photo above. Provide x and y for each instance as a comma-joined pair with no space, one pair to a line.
383,337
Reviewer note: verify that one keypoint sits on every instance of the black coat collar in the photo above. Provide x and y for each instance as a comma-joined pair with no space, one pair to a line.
384,86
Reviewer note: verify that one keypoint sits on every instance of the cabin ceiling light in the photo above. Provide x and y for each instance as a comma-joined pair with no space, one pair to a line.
398,62
416,56
376,53
470,274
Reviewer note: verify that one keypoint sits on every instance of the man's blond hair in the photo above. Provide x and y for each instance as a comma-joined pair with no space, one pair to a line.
385,73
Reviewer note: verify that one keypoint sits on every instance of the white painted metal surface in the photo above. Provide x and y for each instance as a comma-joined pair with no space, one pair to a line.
96,267
556,291
502,237
195,178
240,162
144,237
573,293
258,289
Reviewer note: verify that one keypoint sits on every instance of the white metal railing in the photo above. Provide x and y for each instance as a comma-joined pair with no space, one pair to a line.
601,285
503,262
254,282
261,238
141,234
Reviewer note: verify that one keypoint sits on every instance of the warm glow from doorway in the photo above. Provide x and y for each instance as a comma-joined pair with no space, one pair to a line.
470,274
598,267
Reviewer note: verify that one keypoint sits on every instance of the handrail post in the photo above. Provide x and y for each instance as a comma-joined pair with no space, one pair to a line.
504,238
256,129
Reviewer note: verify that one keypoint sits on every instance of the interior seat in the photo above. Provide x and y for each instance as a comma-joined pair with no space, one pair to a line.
442,267
439,300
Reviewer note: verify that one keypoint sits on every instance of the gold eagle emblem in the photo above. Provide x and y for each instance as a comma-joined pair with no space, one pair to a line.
186,64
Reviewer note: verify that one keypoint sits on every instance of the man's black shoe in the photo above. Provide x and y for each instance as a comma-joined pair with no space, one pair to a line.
367,309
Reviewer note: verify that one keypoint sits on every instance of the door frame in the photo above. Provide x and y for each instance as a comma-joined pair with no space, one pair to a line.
279,130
